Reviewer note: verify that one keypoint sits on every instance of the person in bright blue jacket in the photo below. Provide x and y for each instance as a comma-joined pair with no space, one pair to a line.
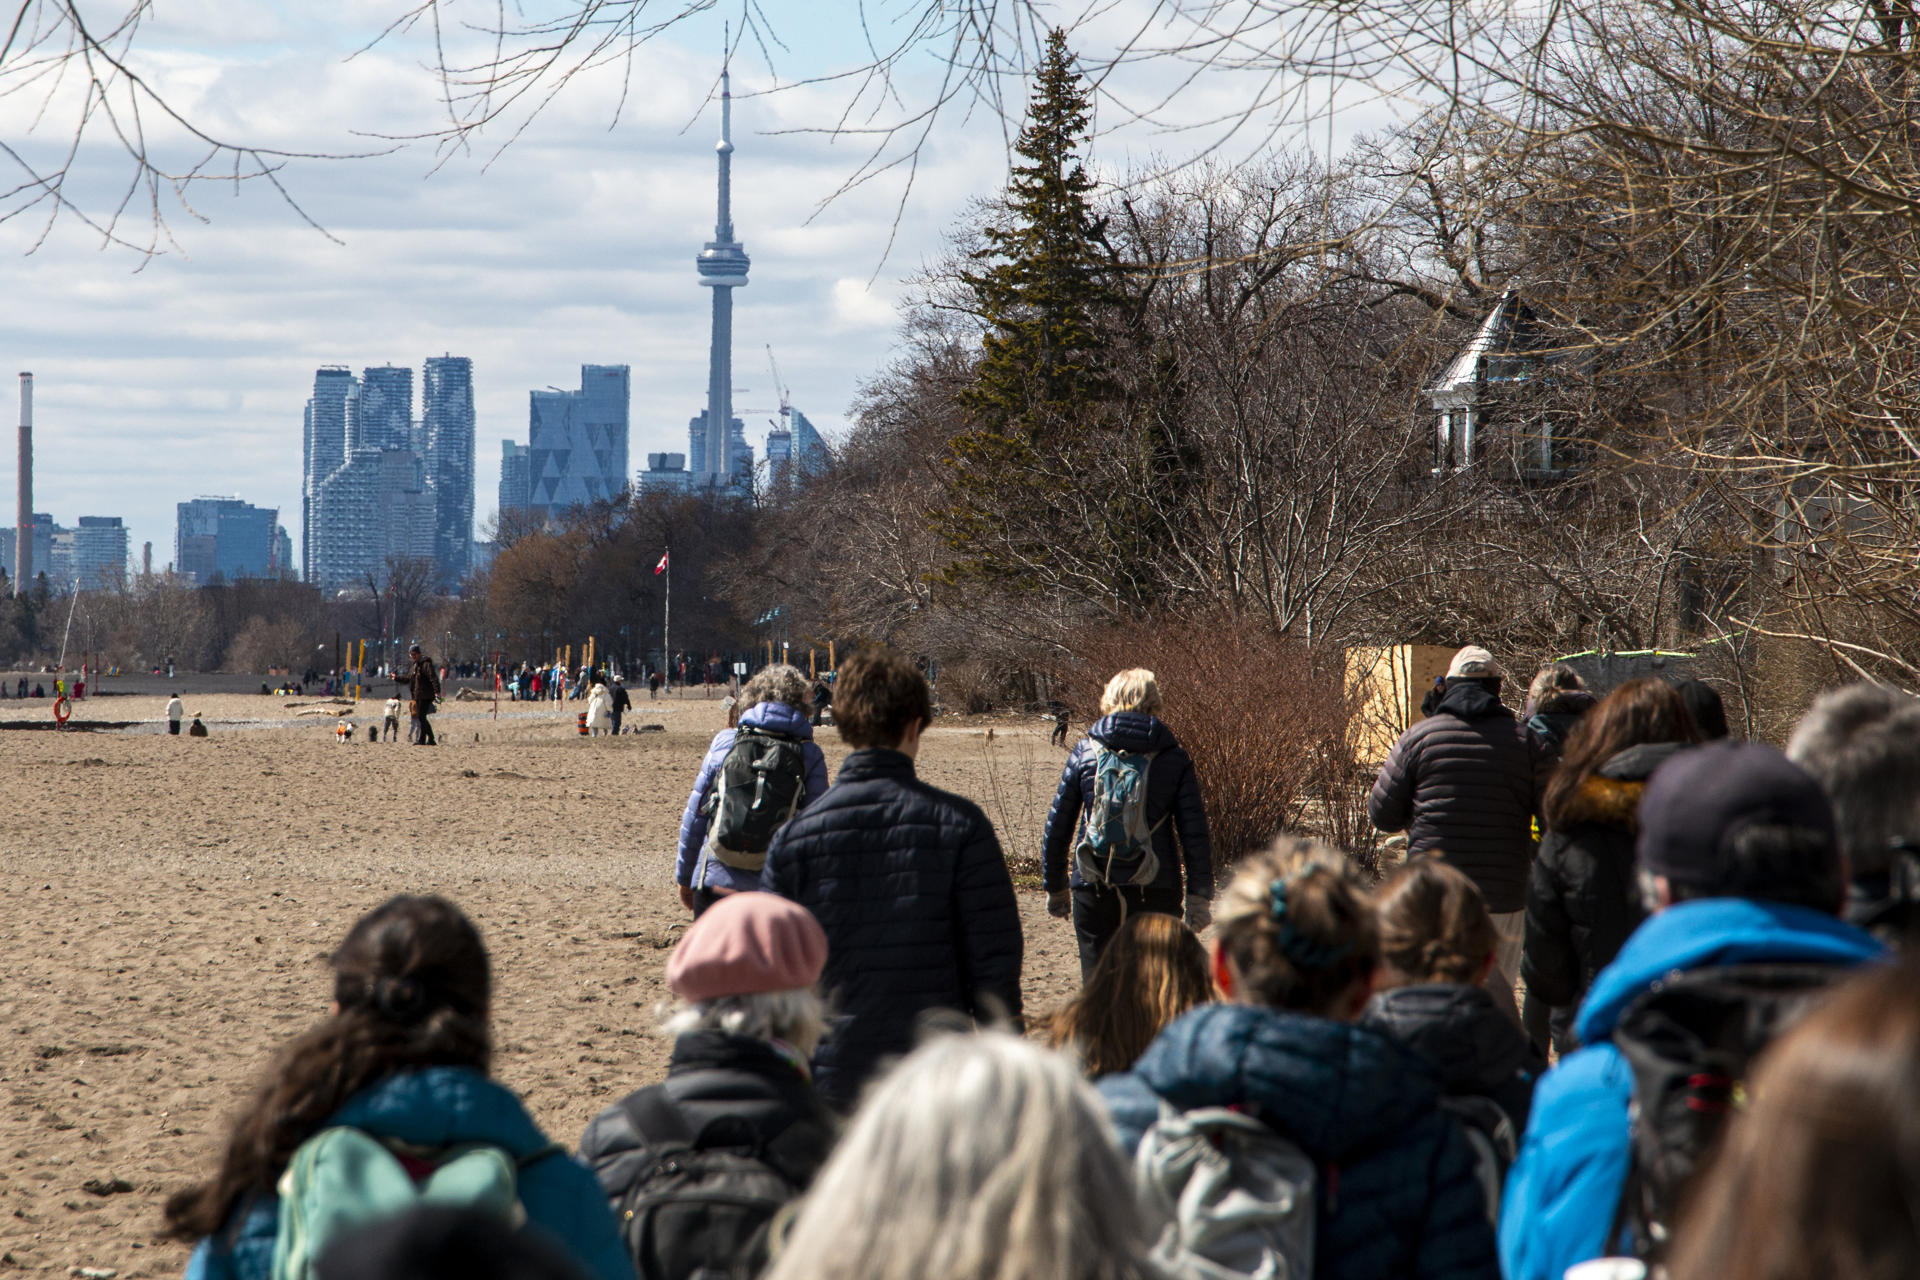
1182,884
778,699
1738,860
403,1057
1396,1194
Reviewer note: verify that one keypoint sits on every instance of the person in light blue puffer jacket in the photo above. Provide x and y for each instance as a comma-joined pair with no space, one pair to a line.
778,700
404,1057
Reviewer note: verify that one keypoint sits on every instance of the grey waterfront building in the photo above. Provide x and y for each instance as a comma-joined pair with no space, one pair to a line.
98,555
446,392
794,450
577,441
385,417
44,533
222,539
374,508
513,477
323,448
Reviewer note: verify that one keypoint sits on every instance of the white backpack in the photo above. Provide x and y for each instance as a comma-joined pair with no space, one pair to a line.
1226,1197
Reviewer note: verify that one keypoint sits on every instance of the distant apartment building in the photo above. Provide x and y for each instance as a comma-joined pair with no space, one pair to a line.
446,390
577,442
666,471
513,477
97,553
385,416
223,539
323,447
795,450
374,508
44,533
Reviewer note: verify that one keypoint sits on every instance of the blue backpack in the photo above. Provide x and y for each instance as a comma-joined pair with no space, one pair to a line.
1116,841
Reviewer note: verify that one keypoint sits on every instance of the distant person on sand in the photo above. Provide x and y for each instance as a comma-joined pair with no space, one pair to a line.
392,1085
1127,831
908,881
196,729
653,685
599,711
425,688
620,705
176,712
773,739
392,721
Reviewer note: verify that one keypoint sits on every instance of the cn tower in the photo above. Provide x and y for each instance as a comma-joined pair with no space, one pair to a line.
723,268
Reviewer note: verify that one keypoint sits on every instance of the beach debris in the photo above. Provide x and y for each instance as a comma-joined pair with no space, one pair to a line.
106,1186
93,1273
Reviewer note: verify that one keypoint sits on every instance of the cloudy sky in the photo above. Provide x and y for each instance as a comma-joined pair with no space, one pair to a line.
160,379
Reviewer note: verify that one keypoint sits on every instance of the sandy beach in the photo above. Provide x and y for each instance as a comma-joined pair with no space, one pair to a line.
168,904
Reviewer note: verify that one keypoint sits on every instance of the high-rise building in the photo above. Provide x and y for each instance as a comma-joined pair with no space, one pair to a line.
513,477
577,442
323,447
385,419
42,545
374,508
99,556
221,539
722,265
446,391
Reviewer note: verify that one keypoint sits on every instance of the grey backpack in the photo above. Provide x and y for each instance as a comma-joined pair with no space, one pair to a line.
1226,1197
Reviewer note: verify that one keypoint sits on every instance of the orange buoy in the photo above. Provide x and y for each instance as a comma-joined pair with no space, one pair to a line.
63,711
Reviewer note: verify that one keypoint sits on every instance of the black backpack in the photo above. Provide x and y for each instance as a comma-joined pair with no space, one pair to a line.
1490,1133
1691,1041
704,1206
756,789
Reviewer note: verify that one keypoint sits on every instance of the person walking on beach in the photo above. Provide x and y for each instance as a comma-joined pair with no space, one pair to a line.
620,705
425,688
176,712
908,881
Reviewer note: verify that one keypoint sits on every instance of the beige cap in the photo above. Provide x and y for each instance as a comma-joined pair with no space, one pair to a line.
1475,663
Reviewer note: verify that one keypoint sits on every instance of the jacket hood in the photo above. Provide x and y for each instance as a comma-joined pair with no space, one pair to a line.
1132,731
777,717
1334,1087
1716,931
1637,763
1470,699
442,1106
1572,703
1475,1047
1610,795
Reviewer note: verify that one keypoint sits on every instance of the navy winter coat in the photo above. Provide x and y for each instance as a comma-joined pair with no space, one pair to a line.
911,887
1174,808
1465,784
1398,1197
1478,1050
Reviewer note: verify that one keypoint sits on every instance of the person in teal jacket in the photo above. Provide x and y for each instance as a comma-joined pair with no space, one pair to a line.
1738,855
404,1057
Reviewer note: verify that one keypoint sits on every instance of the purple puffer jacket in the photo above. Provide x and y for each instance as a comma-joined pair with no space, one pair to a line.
774,717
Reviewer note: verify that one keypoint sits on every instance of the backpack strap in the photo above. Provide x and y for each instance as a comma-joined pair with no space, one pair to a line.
658,1120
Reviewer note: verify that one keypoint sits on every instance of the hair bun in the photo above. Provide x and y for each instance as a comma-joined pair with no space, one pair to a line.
400,1000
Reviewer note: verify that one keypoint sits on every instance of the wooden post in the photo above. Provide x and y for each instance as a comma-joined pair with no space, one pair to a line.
831,664
813,671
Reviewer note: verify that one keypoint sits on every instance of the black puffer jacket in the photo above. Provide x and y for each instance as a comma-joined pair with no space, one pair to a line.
1582,898
714,1074
911,887
1477,1049
1174,807
1558,715
1465,783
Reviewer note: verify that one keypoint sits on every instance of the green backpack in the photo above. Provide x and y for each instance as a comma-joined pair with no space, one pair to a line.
343,1179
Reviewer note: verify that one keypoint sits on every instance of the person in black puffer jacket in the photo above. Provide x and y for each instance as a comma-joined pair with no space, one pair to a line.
1436,949
907,880
1396,1193
1583,899
1465,785
1183,883
745,1019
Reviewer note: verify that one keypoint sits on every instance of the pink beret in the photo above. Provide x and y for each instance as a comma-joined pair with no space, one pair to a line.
746,944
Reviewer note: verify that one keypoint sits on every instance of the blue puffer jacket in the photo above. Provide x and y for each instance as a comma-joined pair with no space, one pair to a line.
1174,808
1398,1199
1565,1187
911,887
774,717
442,1107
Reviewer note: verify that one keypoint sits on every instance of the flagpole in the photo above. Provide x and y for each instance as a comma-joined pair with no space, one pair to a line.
666,625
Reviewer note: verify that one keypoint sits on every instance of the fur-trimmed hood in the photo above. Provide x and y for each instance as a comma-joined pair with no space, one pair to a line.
1610,795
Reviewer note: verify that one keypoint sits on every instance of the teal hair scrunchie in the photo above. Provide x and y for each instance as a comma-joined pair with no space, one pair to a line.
1304,952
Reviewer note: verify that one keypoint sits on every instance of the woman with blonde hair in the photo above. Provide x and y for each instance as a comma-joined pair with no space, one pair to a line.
1295,954
1154,970
979,1157
1127,832
774,716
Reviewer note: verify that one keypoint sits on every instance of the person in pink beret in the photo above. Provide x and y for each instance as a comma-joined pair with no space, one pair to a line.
697,1167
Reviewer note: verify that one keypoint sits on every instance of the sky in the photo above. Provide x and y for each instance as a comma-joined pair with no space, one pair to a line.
163,378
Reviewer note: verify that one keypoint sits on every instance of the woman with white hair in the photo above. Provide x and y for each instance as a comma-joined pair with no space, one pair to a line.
1129,813
979,1157
696,1168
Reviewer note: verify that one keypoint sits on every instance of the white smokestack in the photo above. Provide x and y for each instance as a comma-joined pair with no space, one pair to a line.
23,538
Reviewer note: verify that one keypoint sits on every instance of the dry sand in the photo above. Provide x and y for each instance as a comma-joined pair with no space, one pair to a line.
168,904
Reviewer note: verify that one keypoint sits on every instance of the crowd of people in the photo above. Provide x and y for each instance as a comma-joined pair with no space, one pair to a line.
1704,1073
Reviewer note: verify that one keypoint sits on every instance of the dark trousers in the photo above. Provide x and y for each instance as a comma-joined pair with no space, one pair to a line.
616,723
422,732
704,898
173,727
1098,914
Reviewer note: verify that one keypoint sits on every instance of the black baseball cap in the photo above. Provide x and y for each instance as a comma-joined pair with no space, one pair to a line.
1697,802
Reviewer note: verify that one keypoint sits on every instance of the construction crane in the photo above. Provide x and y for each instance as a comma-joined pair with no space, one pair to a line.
786,402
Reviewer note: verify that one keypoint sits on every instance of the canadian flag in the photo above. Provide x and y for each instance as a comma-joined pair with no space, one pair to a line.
662,566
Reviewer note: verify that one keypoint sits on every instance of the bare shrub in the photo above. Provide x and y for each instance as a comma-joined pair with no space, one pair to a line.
1270,731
